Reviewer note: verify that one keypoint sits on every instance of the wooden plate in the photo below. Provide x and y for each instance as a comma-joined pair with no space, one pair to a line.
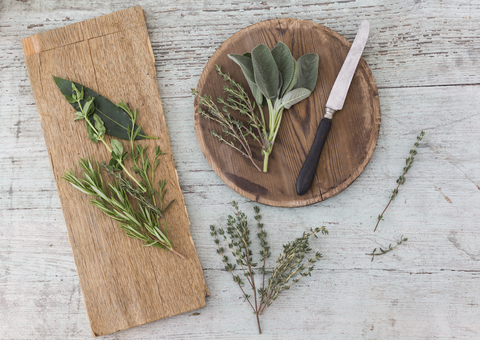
349,145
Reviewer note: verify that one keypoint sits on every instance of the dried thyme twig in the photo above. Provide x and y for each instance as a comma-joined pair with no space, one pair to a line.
382,251
401,179
289,269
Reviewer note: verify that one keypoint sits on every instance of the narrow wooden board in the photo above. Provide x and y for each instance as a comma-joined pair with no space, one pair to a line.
351,141
124,284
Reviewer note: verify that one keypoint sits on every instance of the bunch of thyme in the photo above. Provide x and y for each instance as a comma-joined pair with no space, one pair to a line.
235,132
289,269
401,179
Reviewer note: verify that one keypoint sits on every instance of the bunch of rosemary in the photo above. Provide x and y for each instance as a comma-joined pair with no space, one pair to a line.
290,267
276,80
145,219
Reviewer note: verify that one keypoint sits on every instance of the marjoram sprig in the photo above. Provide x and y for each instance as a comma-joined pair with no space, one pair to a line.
401,179
290,267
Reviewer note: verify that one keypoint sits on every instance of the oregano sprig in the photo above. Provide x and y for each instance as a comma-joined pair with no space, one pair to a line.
291,266
96,131
401,179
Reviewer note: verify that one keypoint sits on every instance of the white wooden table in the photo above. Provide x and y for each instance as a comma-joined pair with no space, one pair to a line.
425,57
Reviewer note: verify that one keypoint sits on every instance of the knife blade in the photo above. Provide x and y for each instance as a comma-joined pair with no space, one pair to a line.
335,103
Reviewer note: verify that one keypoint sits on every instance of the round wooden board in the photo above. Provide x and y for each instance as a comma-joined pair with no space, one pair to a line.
351,141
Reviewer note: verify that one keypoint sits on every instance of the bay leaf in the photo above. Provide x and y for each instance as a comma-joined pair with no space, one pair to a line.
307,71
265,71
115,120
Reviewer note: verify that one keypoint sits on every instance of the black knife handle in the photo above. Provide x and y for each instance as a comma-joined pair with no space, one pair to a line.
309,168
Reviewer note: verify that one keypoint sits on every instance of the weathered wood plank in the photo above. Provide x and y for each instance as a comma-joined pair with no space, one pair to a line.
124,284
427,288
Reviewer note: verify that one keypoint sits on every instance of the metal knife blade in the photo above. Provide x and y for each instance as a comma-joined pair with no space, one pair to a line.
342,83
334,103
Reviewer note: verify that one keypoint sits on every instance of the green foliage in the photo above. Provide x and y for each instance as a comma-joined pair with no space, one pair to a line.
146,220
401,179
291,266
144,223
275,79
115,120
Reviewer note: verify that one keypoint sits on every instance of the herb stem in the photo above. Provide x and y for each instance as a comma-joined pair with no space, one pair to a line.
401,179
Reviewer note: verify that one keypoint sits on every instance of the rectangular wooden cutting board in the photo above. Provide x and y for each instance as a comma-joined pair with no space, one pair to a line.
124,284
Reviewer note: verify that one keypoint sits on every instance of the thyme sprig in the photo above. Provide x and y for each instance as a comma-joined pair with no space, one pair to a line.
234,131
290,267
401,179
382,251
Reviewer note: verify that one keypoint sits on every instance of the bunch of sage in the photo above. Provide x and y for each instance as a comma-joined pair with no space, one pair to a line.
277,81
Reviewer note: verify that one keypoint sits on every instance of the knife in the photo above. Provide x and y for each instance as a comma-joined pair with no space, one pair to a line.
334,103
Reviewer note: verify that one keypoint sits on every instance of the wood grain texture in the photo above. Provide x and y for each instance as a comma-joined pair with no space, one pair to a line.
351,141
425,57
124,284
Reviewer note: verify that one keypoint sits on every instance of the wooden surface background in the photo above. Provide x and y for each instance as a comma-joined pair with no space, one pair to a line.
124,284
351,141
425,57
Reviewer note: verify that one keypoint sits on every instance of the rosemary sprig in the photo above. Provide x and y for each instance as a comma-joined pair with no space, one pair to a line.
289,269
401,179
382,251
142,224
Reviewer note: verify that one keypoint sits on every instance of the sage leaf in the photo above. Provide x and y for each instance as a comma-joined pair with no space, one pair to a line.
265,71
116,121
295,96
257,94
117,147
294,77
307,71
285,64
245,64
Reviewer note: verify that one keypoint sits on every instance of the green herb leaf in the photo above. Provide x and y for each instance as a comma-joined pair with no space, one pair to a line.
70,99
285,64
91,133
99,125
117,147
245,64
265,71
307,71
115,119
295,96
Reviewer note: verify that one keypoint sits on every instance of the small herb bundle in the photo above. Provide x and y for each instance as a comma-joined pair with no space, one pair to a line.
144,220
401,179
290,267
275,79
